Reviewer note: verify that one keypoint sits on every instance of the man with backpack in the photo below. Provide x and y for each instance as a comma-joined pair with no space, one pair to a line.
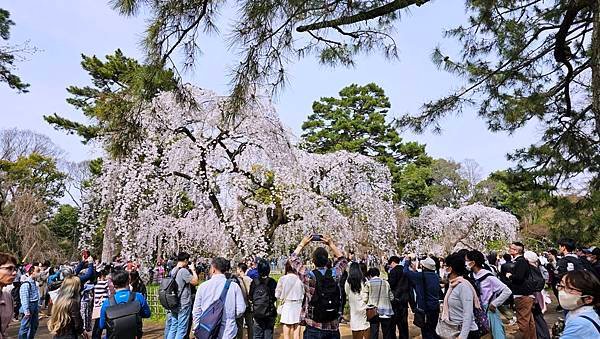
522,291
30,307
121,314
178,286
218,304
262,298
320,309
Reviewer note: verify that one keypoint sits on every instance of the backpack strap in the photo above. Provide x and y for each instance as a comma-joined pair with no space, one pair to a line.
225,289
485,276
131,296
592,321
112,301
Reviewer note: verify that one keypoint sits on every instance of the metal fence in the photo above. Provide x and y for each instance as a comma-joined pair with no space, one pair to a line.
158,311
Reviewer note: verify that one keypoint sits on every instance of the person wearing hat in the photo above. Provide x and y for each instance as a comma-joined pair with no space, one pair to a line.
426,285
30,307
594,258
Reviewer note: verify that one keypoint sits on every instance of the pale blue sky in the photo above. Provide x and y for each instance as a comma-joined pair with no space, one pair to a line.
63,29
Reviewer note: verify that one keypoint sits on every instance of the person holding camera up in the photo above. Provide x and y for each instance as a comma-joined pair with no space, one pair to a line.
320,310
185,276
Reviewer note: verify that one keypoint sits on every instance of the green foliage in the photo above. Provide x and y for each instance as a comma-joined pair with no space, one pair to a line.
65,226
64,223
447,188
356,122
265,34
121,89
8,56
532,62
33,173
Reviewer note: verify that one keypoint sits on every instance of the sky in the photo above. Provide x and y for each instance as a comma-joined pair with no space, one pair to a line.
62,30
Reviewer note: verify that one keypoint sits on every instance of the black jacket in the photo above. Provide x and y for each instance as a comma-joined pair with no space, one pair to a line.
400,286
521,272
506,268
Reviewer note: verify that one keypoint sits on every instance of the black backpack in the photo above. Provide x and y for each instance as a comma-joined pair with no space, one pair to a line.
123,320
263,305
168,292
326,300
535,281
477,284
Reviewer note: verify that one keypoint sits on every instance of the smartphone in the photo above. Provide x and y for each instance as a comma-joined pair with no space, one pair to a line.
317,237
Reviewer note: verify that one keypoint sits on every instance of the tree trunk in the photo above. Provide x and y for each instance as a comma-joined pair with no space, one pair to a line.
108,241
596,67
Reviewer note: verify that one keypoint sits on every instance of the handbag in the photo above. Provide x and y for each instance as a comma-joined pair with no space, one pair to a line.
372,310
447,331
420,317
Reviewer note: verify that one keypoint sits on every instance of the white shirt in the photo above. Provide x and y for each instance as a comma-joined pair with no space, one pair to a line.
208,292
290,287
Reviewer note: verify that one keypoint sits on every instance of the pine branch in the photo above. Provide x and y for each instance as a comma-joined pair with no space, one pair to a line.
363,16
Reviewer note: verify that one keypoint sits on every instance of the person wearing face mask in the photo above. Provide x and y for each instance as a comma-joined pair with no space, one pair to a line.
8,273
492,291
578,292
457,320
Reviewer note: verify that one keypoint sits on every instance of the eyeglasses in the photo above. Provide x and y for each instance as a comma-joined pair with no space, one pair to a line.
9,268
562,287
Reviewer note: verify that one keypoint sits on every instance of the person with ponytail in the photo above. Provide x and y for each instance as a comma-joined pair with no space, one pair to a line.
65,321
578,293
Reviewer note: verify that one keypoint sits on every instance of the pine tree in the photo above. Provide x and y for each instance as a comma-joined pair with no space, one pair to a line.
9,54
356,122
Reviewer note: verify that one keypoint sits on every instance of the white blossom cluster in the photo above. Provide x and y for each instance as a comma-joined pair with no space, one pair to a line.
442,230
210,184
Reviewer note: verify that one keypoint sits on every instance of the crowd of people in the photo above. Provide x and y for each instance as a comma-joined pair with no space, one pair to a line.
466,294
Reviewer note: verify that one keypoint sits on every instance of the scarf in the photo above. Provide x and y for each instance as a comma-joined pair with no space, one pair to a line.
453,283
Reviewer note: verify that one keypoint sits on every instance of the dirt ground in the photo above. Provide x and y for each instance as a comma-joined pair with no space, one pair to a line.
153,330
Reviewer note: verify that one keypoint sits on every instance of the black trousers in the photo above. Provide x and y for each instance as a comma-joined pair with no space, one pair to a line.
431,320
387,328
400,320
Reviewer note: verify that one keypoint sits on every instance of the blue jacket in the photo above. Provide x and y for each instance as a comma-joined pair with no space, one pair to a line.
121,297
428,296
577,327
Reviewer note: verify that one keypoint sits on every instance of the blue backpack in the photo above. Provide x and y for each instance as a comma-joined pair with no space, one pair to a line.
211,318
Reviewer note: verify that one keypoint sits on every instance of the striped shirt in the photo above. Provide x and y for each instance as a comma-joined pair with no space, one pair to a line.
100,292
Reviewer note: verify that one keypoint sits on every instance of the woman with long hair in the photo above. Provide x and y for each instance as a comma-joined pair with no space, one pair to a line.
358,309
493,292
290,291
137,285
65,321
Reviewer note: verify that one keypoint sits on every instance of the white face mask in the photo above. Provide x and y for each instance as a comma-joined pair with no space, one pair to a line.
569,301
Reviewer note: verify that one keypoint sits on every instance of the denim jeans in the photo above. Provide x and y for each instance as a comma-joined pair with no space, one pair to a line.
29,325
315,333
177,323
